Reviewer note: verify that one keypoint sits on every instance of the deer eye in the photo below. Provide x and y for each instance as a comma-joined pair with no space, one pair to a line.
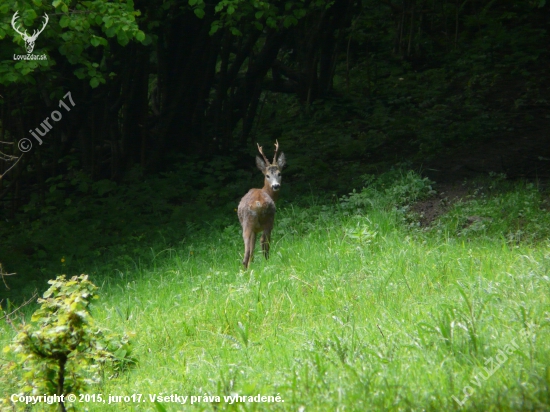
267,176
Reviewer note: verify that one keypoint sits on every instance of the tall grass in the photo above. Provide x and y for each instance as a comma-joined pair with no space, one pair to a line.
355,310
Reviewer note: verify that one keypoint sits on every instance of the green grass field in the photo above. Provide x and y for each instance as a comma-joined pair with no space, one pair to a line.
357,309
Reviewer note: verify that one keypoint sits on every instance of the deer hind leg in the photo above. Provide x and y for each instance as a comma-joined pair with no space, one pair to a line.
265,239
249,240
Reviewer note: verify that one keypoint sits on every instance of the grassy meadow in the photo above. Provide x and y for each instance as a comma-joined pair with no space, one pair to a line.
358,308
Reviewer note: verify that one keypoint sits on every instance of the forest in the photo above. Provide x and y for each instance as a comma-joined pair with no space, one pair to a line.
410,249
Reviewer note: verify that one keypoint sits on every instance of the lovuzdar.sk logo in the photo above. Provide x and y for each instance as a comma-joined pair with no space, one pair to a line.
29,40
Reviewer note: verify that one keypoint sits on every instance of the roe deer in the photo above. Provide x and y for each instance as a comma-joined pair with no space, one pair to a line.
257,208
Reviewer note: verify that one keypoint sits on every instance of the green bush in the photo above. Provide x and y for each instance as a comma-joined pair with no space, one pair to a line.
393,189
62,350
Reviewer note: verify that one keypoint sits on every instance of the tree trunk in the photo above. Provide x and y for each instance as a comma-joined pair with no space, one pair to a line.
61,381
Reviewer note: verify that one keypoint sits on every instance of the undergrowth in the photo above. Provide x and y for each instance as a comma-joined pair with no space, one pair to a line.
517,213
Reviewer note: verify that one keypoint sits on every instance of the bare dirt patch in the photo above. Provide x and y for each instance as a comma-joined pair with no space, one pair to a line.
447,194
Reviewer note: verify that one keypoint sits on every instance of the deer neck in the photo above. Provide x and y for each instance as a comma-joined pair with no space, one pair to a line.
272,194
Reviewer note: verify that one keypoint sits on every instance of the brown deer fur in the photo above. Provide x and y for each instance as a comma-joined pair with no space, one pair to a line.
257,208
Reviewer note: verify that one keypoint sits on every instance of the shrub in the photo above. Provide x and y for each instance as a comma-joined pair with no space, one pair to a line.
62,350
392,189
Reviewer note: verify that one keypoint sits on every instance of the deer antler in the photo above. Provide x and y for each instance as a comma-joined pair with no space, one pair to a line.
276,149
35,34
14,18
262,153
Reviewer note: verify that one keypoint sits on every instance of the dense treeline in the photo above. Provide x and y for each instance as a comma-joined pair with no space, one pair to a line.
152,82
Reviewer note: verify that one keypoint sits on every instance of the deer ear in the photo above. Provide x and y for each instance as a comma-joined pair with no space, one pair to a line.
261,164
281,161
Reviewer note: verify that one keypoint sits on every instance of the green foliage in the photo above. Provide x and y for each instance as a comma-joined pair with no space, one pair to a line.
63,350
76,35
241,15
393,189
519,213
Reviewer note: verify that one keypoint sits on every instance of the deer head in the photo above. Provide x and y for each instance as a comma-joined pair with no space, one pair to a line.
29,40
271,171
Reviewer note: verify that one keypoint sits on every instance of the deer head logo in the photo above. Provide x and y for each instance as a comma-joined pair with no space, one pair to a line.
29,40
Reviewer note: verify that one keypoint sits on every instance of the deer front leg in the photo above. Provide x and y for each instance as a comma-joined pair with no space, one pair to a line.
249,240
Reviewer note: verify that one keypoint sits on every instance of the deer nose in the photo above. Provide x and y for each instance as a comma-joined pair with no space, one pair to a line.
275,186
